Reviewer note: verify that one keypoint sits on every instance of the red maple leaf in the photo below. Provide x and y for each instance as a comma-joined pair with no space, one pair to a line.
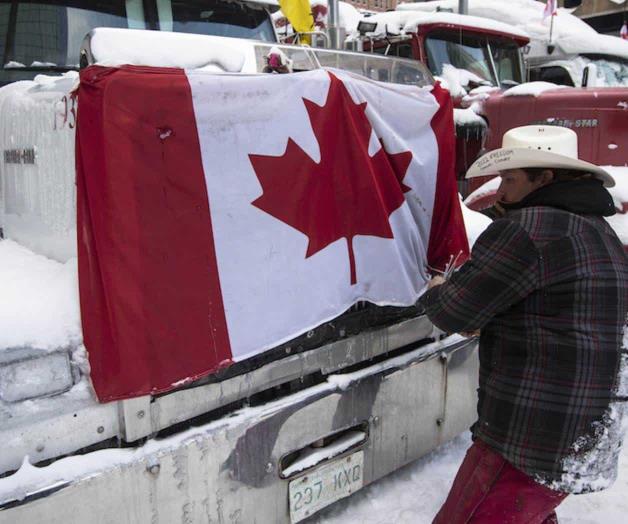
347,193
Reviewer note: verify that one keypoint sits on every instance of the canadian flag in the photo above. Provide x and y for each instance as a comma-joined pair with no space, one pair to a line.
550,9
222,215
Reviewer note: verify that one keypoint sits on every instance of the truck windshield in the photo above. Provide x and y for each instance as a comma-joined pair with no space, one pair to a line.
46,35
469,54
611,71
507,61
475,55
215,17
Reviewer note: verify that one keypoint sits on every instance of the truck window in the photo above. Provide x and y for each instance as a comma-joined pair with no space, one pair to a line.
507,62
611,70
468,53
47,35
215,17
554,74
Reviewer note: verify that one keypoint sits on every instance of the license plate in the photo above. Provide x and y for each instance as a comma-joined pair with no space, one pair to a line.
325,485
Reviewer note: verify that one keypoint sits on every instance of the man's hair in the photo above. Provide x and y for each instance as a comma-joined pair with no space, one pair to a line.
560,175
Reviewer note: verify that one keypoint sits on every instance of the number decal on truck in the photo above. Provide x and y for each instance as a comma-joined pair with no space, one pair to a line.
65,112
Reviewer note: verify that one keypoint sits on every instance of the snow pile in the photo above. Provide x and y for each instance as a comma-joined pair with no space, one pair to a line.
39,306
114,47
532,89
458,80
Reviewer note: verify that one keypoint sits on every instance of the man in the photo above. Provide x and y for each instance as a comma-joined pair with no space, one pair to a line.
547,284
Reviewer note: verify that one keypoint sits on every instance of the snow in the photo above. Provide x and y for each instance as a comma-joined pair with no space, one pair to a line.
39,306
570,34
114,47
532,89
619,221
414,494
311,456
475,223
405,22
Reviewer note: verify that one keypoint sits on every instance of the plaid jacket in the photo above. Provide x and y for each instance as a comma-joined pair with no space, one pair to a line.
549,289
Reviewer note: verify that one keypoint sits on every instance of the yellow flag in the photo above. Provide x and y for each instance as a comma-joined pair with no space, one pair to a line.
299,13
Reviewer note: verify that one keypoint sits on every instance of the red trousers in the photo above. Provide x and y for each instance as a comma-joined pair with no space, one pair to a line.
489,490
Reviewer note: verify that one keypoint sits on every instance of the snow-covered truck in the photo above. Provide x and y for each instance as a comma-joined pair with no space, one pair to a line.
562,47
296,390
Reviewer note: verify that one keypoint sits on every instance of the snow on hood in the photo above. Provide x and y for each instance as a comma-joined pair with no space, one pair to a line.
114,47
571,34
532,89
404,22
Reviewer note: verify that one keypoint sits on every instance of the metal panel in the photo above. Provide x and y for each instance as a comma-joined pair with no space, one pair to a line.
186,404
227,471
48,434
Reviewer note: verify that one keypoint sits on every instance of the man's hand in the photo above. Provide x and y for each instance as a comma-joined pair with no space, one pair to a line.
435,281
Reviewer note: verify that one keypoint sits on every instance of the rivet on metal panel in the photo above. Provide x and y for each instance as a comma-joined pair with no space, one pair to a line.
443,357
39,448
154,469
288,350
440,421
375,420
101,429
140,413
304,479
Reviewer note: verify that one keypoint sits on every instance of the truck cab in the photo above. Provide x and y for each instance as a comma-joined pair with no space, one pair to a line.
45,37
469,55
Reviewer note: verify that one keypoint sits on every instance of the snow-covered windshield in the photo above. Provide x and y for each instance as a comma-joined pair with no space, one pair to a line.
46,35
611,71
474,54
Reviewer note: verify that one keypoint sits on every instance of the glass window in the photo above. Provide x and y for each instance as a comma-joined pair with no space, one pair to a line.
468,53
216,17
611,70
507,63
47,35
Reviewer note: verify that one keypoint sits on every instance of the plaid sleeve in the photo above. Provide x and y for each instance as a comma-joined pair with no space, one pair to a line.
502,270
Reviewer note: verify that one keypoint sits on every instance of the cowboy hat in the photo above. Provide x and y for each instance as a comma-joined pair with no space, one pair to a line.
537,146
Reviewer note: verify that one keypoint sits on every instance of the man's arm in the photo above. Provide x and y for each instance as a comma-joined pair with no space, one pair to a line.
502,270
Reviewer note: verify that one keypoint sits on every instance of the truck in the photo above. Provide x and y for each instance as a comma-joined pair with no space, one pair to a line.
273,437
563,49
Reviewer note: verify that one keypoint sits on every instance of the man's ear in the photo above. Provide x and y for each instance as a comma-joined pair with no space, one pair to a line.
547,176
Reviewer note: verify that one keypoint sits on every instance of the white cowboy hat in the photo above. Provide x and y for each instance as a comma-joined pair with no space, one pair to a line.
537,146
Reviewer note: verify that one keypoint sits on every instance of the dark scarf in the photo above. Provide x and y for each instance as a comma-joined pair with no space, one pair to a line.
579,196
